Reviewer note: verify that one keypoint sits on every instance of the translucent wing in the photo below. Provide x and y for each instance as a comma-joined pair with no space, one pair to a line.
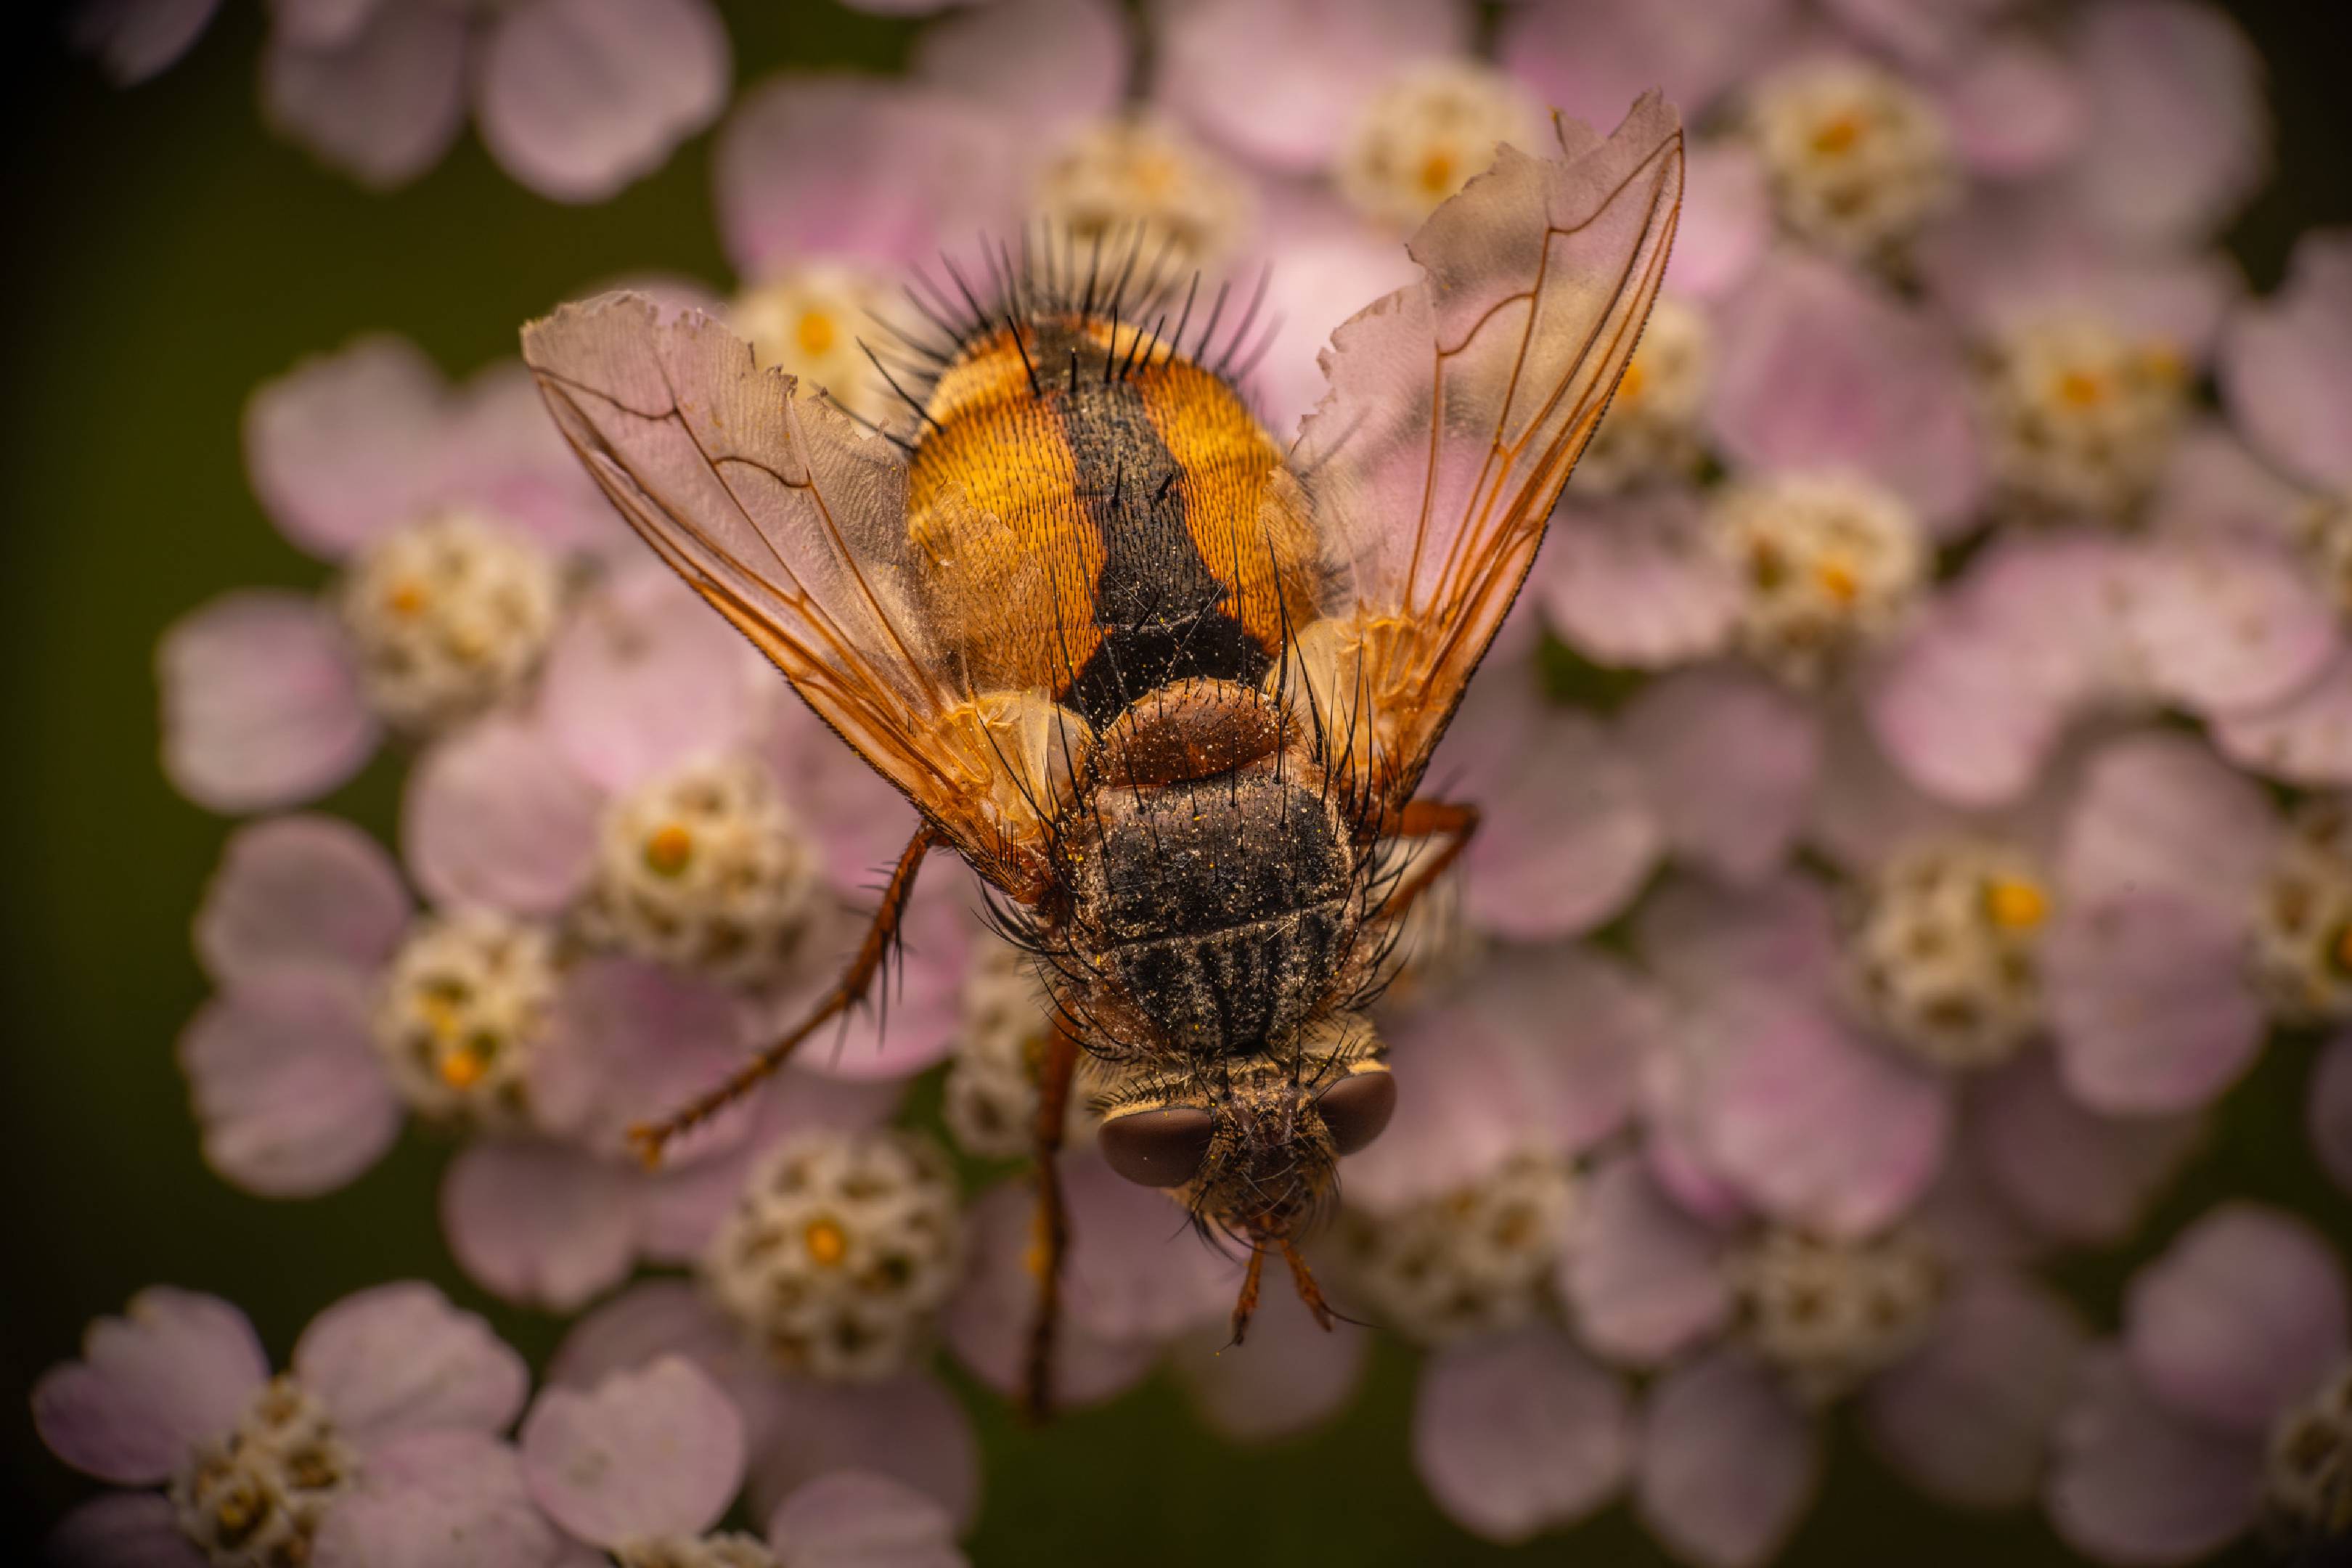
791,521
1458,406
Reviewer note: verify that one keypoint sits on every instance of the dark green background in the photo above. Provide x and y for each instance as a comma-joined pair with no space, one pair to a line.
165,254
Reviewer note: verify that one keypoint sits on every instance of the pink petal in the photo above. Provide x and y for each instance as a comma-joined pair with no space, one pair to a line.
2328,1104
539,1223
579,98
321,23
382,106
920,1028
1631,581
2239,1319
299,890
860,169
122,1529
2077,1176
504,455
2159,814
1567,836
289,1090
1727,222
1736,823
262,705
1643,1276
1520,1433
1727,1464
1817,368
1136,1269
1289,1375
629,1037
1051,63
2149,1004
1731,945
345,445
1459,1081
396,1359
643,677
1280,80
2229,624
650,1319
653,1452
856,1519
908,1428
1817,1126
137,39
1918,32
987,1323
1968,1416
2306,740
1577,1026
1318,280
2014,109
494,816
2286,365
439,1499
176,1368
1592,58
2177,134
2132,1482
857,817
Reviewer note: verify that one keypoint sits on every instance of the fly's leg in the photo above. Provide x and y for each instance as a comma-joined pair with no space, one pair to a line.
1050,1241
649,1138
1457,822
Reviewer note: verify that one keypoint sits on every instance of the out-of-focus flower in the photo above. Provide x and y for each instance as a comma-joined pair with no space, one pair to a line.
1592,58
1827,564
1859,160
2228,1400
1417,140
453,510
136,39
380,1437
1136,181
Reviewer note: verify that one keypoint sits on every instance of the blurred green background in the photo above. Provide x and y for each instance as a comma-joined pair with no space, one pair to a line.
168,255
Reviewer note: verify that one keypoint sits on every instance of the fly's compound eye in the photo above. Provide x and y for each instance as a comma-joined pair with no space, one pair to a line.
1357,1108
1160,1147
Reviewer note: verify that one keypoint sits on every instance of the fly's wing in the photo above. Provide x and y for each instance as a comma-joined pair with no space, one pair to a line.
1456,407
792,522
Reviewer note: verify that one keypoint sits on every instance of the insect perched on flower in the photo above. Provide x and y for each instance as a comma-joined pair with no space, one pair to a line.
1170,690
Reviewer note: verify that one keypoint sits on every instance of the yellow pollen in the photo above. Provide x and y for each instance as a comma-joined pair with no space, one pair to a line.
406,599
440,1015
463,1069
2015,904
1154,174
1629,385
816,332
668,850
2082,389
1437,174
1839,135
826,1242
1835,576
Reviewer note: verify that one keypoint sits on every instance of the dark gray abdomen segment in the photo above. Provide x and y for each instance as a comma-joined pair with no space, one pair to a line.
1222,907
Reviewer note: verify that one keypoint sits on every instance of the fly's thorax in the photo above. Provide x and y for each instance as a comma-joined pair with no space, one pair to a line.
1250,1143
1221,912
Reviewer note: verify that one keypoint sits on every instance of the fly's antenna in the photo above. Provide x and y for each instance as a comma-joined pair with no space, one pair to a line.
1176,341
920,412
1241,328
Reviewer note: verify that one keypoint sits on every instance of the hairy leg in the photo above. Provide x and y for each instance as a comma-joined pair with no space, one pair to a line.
649,1138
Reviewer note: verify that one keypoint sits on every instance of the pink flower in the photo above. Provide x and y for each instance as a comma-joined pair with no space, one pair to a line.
137,39
380,1437
1592,59
573,98
447,507
1957,1381
2231,1372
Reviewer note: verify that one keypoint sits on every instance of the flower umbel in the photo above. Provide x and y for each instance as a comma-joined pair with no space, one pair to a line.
449,615
466,1003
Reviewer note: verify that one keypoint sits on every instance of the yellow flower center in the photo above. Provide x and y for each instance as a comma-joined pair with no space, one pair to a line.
1437,174
826,1242
1838,136
668,849
816,332
463,1067
2015,904
1837,579
406,601
1629,385
2082,389
1154,174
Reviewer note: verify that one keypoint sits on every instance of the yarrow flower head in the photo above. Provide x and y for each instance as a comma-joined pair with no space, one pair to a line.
991,1096
1652,429
1422,137
464,1003
1941,948
808,319
2080,416
385,1420
1859,160
1470,1261
839,1252
1828,1314
1116,177
1827,564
